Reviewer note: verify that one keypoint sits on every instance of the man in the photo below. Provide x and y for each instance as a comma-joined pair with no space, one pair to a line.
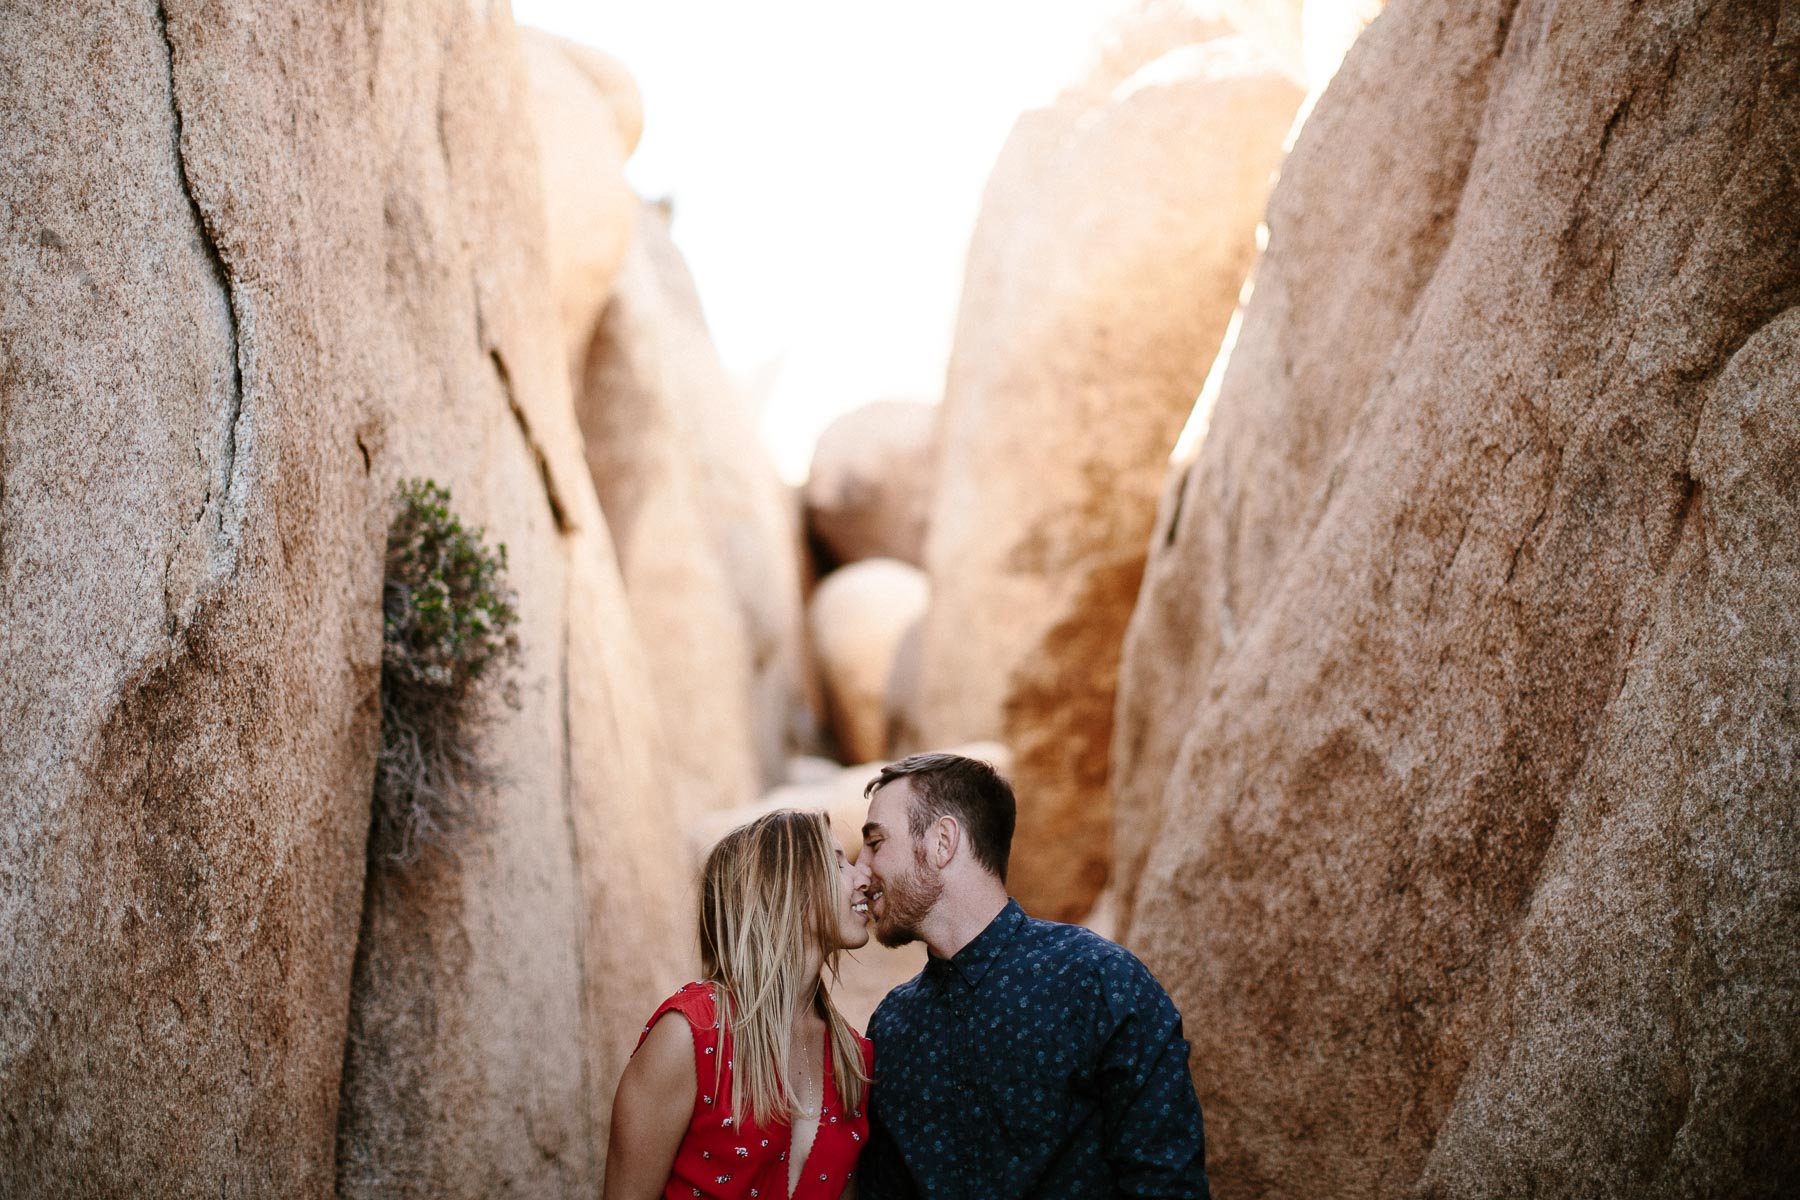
1028,1059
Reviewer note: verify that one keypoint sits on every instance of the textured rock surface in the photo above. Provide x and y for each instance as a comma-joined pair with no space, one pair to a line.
859,615
1113,239
707,535
1460,702
869,490
586,115
497,995
505,989
260,266
189,544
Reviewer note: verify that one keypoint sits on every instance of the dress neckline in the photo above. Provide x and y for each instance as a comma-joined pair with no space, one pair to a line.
826,1087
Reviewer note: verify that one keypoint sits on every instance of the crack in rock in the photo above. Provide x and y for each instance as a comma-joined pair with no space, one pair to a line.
559,511
228,484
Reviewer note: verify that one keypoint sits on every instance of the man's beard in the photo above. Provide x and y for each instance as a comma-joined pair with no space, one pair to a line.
905,902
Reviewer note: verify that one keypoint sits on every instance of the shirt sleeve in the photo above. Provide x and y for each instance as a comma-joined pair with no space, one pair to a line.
1154,1138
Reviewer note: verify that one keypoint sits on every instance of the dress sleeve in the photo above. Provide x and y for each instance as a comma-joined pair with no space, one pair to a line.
1154,1138
694,1004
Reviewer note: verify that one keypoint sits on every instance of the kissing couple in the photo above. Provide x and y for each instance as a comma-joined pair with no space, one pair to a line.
1028,1058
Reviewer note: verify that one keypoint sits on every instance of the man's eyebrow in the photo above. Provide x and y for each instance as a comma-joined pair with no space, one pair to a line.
871,827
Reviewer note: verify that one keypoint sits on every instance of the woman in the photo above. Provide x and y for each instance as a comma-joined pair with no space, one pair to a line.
750,1085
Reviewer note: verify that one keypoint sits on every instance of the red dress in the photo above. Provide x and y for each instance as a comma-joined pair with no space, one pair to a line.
749,1162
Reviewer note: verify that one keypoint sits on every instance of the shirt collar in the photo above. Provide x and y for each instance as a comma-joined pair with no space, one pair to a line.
973,960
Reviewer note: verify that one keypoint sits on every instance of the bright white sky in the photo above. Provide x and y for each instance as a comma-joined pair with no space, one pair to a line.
826,158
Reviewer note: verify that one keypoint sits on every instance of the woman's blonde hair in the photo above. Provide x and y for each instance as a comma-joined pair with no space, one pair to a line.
768,894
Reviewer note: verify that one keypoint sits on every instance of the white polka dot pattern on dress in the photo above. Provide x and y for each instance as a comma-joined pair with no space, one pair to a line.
757,1156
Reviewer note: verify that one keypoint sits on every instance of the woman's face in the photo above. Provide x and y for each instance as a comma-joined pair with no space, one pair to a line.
852,906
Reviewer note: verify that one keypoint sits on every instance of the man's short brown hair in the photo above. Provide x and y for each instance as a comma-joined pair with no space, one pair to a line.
966,788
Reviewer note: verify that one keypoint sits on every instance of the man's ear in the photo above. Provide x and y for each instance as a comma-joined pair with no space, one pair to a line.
946,840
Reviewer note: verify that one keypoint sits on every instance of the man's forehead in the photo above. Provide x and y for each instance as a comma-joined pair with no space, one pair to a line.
887,804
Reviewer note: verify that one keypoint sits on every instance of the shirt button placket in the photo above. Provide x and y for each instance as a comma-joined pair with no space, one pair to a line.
967,1072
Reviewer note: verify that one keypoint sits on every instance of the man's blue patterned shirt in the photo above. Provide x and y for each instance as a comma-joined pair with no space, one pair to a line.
1041,1061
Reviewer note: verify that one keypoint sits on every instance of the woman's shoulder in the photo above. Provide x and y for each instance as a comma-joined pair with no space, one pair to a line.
694,1001
695,998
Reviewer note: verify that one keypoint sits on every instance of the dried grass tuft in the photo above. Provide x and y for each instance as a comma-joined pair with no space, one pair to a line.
448,632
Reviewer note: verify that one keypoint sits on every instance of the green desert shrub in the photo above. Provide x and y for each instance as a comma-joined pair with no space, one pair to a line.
449,638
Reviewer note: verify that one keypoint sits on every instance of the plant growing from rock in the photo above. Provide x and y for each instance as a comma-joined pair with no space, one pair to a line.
448,635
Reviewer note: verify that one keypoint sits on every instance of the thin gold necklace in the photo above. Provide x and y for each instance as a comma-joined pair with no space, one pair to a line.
806,1082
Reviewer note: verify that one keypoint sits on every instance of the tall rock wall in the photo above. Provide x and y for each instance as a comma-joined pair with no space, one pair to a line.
190,541
499,990
586,116
262,265
1114,236
1457,725
708,536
